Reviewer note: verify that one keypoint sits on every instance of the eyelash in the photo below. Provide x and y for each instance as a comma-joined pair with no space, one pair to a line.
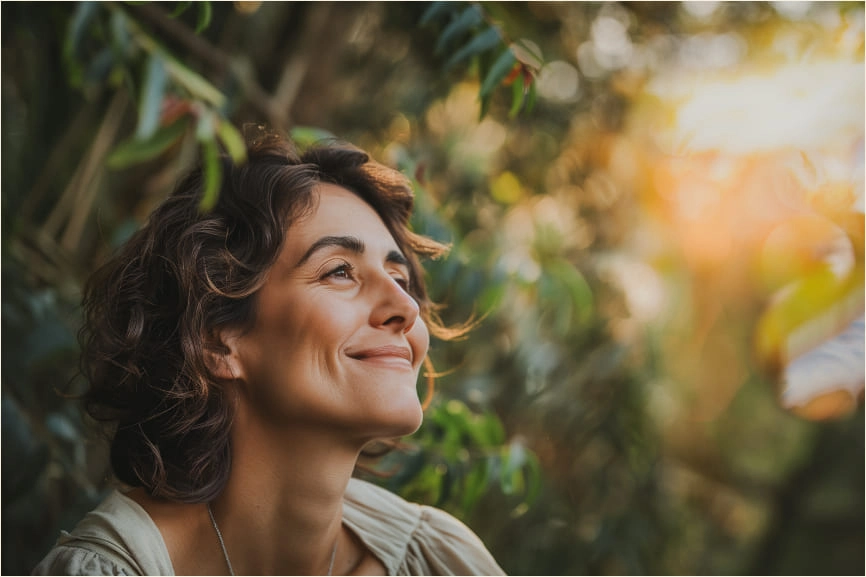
341,268
348,269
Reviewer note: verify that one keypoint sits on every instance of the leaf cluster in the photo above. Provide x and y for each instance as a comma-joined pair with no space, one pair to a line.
468,34
174,102
458,456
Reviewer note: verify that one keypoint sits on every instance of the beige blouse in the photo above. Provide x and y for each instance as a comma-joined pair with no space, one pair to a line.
119,538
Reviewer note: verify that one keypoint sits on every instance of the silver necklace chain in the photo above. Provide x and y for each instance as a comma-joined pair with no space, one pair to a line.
226,553
220,537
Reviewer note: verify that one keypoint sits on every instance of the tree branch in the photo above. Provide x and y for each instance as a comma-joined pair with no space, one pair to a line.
94,166
296,68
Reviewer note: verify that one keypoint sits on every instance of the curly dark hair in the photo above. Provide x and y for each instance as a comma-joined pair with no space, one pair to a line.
153,312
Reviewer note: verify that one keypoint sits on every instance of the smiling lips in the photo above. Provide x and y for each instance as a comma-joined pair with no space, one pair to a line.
387,355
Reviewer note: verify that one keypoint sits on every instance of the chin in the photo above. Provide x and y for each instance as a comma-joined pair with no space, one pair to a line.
401,422
417,419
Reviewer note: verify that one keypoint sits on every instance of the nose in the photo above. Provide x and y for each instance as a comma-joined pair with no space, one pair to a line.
394,308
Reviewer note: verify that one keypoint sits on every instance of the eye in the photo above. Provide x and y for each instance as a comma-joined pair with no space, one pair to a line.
403,282
342,271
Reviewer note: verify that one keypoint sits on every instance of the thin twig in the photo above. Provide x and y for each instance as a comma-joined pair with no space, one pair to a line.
54,222
296,68
94,166
59,153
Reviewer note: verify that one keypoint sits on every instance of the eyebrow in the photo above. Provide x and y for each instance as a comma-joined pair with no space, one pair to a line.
351,243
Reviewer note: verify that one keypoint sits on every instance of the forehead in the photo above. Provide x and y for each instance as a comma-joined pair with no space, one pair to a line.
338,211
332,200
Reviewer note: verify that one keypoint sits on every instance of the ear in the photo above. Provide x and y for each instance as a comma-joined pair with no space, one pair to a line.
221,356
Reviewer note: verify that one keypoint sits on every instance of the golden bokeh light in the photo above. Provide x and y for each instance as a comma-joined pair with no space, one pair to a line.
753,176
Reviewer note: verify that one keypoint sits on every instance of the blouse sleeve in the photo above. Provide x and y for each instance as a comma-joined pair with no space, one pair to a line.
116,538
72,560
442,545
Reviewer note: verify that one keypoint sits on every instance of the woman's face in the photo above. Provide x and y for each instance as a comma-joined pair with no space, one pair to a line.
338,342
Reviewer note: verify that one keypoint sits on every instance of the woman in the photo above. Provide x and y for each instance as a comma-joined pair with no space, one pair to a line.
247,355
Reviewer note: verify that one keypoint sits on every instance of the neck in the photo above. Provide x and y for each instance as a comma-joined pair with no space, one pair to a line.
281,511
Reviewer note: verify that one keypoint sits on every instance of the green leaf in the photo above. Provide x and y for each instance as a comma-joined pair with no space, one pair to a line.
474,484
485,107
516,484
518,95
491,297
577,287
511,477
808,312
505,471
528,53
470,18
430,482
452,419
84,14
194,83
495,430
435,10
206,126
180,9
120,37
78,24
486,430
515,458
212,175
533,479
205,12
457,408
521,472
446,482
134,151
484,41
498,71
232,140
150,105
306,136
532,96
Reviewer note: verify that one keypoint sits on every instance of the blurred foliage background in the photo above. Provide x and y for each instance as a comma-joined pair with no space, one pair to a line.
655,208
